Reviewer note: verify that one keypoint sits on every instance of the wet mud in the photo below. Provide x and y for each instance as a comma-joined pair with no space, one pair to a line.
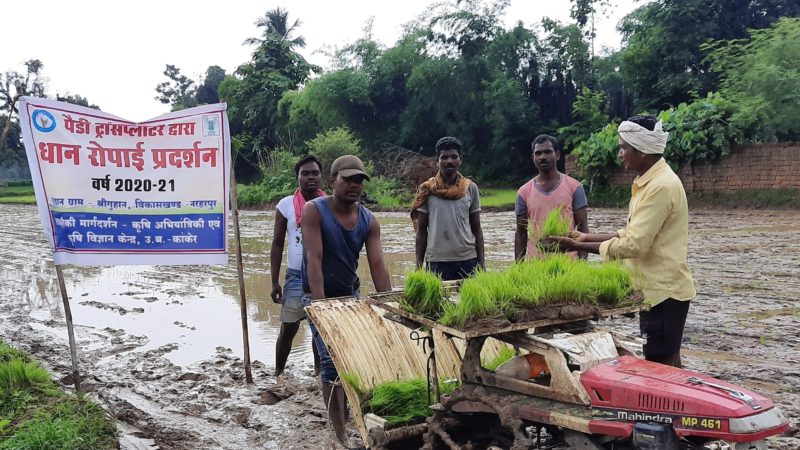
161,346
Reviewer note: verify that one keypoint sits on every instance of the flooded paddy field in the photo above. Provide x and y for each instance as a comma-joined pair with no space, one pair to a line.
161,346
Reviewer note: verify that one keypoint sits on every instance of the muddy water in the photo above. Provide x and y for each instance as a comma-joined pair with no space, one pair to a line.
161,345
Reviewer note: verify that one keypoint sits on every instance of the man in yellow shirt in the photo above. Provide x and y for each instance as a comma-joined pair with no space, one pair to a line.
654,243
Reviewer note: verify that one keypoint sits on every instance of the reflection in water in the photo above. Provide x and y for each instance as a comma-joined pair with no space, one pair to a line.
197,307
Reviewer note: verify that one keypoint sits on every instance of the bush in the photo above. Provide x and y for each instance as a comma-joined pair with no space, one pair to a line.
597,155
699,131
386,192
333,143
277,182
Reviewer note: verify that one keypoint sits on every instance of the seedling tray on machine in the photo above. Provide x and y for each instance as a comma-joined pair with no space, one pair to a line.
566,313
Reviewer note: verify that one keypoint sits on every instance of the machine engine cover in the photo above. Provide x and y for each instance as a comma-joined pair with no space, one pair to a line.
628,390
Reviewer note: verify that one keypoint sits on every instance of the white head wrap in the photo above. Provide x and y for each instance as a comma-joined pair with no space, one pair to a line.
646,141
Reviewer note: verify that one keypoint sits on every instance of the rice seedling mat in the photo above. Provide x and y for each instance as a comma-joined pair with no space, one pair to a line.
390,301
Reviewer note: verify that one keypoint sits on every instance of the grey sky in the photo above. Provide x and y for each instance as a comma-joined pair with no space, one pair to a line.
114,53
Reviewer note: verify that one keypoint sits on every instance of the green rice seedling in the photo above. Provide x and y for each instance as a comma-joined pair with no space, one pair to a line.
18,375
400,402
423,293
556,264
504,355
8,353
555,224
447,387
612,283
354,383
405,401
476,301
502,290
565,289
449,311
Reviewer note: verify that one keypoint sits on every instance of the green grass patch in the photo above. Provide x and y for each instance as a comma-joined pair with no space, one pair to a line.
7,353
498,198
9,191
617,197
37,415
18,199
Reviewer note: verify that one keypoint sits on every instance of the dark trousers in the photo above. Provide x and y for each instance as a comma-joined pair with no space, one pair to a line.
662,328
454,270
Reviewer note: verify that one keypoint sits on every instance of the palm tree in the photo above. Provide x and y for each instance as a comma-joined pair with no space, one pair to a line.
275,23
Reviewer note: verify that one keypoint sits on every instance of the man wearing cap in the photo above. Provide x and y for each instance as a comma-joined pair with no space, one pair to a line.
447,217
335,229
654,243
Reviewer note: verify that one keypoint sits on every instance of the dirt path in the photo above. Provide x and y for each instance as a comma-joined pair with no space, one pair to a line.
161,346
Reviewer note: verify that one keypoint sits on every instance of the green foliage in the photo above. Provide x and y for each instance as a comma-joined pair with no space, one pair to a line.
616,197
333,143
699,131
502,356
588,112
386,192
278,181
597,156
423,293
663,55
750,198
761,77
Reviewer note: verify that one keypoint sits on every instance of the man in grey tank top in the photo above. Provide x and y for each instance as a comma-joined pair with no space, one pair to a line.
335,229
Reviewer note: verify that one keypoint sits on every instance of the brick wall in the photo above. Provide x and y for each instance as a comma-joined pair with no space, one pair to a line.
754,166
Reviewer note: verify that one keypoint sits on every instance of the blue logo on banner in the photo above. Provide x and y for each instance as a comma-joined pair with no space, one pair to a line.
43,121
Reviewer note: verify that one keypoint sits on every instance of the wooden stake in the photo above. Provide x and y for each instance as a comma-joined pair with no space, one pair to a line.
240,271
73,352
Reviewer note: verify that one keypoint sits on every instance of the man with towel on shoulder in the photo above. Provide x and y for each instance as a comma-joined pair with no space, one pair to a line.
447,218
654,243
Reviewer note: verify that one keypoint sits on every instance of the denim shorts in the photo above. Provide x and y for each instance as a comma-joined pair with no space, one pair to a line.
293,307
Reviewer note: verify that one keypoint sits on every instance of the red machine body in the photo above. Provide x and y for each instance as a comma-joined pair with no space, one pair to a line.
629,390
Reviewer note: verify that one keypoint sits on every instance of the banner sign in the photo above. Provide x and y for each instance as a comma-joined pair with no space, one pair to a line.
113,192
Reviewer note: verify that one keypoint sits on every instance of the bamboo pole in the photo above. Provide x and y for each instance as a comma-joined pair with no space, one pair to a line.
73,352
248,373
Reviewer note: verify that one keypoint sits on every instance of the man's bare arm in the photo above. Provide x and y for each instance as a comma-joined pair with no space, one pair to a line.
421,242
276,255
475,225
312,245
581,219
521,238
377,266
